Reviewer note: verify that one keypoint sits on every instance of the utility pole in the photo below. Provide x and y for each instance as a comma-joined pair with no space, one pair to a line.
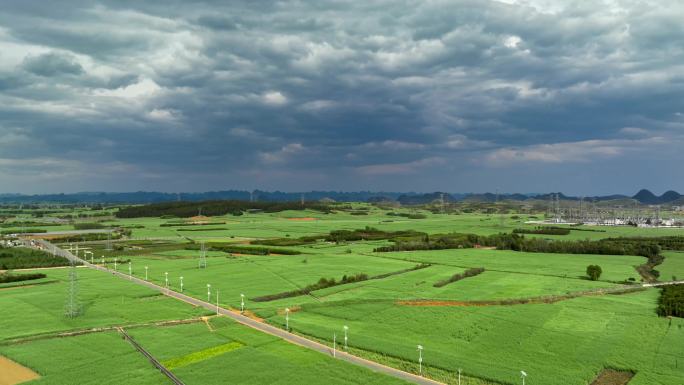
420,359
203,256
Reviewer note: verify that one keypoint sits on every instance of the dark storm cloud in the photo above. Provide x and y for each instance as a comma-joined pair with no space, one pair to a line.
450,95
51,64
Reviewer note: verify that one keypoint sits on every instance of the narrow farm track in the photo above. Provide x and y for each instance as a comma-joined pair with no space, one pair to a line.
260,326
150,357
79,332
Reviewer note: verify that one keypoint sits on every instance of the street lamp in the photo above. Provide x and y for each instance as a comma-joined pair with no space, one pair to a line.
166,280
114,262
145,273
334,344
346,328
242,303
287,318
420,359
103,264
523,375
459,376
130,270
181,283
217,301
208,292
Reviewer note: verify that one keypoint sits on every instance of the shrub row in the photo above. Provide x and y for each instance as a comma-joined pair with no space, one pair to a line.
88,226
544,230
6,278
22,231
457,277
671,301
229,248
407,215
612,246
330,282
213,208
23,258
321,284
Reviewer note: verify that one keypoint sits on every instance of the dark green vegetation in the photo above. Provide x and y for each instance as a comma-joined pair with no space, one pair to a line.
544,230
8,277
213,208
250,250
88,226
671,301
594,272
23,258
457,277
23,231
322,283
325,283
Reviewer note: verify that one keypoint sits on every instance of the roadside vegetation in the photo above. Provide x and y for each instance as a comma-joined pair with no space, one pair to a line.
24,258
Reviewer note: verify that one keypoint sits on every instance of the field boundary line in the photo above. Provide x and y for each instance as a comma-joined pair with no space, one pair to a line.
103,329
150,357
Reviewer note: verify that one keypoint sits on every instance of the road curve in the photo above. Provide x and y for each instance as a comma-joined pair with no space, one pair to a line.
263,327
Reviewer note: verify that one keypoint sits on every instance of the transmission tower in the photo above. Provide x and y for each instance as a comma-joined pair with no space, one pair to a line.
109,241
203,256
72,308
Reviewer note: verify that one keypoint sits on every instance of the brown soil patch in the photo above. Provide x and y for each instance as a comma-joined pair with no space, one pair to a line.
523,301
293,309
16,287
248,314
613,377
198,220
12,373
484,247
302,219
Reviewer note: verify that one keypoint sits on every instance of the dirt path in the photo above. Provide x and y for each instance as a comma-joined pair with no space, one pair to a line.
12,373
522,301
73,333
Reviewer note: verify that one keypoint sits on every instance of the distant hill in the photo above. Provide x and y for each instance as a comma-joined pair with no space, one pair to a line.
405,198
646,197
419,199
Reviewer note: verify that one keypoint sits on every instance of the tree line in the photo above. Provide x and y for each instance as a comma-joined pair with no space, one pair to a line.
23,258
671,301
214,208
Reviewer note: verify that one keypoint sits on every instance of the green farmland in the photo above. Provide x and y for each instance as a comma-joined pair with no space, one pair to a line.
532,311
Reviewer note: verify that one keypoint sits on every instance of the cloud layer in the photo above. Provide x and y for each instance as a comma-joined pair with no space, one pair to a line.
533,95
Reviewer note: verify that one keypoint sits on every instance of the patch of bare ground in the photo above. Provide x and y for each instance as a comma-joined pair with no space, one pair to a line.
12,373
522,301
613,377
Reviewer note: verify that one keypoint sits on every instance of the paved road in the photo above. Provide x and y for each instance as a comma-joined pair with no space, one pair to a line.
263,327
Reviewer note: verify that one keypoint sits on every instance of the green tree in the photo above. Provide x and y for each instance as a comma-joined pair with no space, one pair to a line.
594,272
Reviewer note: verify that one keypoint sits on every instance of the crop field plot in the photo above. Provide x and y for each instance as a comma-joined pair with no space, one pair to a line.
567,342
105,300
222,352
98,358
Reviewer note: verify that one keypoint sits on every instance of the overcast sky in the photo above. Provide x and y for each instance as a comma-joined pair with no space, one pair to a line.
585,97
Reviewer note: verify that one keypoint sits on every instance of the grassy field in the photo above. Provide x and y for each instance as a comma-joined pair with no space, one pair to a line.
203,351
567,342
99,358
